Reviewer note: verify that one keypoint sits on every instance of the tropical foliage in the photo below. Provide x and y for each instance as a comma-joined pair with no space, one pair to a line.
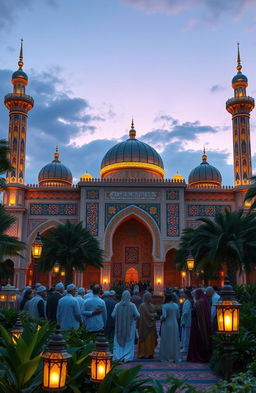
229,239
4,161
72,246
251,194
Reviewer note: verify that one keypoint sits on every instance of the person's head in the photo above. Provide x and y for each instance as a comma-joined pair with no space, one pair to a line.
147,297
81,291
37,285
112,293
169,297
199,293
59,287
96,289
28,293
188,295
71,289
126,297
209,291
42,291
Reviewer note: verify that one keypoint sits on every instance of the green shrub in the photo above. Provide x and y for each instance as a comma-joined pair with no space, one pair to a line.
240,383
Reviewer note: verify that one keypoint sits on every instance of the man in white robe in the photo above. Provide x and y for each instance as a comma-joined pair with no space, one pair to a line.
68,310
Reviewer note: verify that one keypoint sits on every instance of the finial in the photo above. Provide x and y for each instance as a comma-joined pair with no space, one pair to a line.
20,62
239,67
204,156
132,132
56,154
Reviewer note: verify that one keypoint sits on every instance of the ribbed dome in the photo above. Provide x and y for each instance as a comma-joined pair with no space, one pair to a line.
55,174
19,74
239,78
205,175
130,154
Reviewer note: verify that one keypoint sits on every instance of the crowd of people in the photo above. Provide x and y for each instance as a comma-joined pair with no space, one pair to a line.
187,318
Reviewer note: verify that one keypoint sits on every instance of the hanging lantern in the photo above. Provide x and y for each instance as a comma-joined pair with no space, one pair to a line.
190,262
62,272
101,360
55,360
183,274
56,268
17,330
37,246
227,310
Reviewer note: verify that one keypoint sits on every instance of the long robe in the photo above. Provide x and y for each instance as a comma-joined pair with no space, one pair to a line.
185,325
170,339
147,330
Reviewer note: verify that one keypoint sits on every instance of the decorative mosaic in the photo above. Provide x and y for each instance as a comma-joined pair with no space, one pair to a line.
13,229
146,270
92,194
92,217
173,219
52,194
209,196
117,270
153,209
172,195
132,255
206,210
53,209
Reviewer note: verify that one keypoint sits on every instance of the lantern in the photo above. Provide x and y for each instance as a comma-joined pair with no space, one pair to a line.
37,246
190,262
56,268
8,295
62,272
101,360
17,330
183,274
181,300
227,311
55,361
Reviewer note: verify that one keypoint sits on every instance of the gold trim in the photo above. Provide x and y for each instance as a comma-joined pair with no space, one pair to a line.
137,165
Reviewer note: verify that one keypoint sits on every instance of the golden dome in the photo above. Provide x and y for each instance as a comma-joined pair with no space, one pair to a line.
86,176
177,177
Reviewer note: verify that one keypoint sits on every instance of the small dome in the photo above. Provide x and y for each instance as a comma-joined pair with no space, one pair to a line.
55,174
205,175
177,177
20,74
239,77
132,158
86,176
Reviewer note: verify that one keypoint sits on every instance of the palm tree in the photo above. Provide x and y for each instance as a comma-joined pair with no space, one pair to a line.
229,239
9,245
72,246
4,161
251,193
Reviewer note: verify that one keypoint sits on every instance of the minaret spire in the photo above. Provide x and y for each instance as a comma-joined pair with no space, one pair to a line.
56,154
132,133
20,62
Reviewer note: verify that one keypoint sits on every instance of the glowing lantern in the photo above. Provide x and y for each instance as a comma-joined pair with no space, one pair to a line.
183,274
227,310
37,246
55,364
8,295
159,282
56,268
17,330
190,262
101,360
181,300
62,272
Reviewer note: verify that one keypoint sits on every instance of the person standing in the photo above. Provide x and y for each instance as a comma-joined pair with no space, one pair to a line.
94,311
213,297
186,320
170,339
200,343
68,311
147,328
26,297
136,298
52,302
110,305
80,297
125,314
36,306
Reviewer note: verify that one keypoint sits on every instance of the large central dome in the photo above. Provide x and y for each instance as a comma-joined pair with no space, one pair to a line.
132,159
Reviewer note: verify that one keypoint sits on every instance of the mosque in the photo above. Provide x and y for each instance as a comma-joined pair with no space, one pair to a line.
134,211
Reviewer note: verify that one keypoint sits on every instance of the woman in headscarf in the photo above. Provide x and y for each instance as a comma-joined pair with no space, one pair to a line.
200,343
28,294
186,320
125,314
147,328
170,338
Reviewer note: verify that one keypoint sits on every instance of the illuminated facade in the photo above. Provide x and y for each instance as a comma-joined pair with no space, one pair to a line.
135,212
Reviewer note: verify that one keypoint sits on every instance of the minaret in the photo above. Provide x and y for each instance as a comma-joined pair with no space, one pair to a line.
18,103
240,107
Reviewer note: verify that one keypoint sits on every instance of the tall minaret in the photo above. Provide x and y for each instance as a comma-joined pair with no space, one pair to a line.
18,103
240,107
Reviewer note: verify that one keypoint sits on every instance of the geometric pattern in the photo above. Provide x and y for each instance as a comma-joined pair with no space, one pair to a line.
132,255
13,229
53,209
173,219
92,194
52,194
206,210
116,270
172,195
153,209
92,218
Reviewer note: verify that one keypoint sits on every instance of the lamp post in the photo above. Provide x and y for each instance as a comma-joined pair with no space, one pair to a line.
227,310
55,361
101,360
190,265
36,249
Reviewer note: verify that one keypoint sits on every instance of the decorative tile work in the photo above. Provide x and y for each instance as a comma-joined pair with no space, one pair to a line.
173,219
53,209
209,196
116,270
92,194
153,209
13,230
206,210
146,270
132,255
172,195
92,217
31,194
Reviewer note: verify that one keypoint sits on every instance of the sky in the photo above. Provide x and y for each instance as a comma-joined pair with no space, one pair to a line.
93,65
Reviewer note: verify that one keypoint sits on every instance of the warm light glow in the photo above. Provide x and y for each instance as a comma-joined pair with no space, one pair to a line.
228,323
101,371
56,268
54,379
181,300
105,281
247,203
129,165
183,274
12,201
190,263
62,273
3,298
227,317
159,281
54,374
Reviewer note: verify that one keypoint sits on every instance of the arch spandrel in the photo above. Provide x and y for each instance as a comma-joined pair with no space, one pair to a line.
127,213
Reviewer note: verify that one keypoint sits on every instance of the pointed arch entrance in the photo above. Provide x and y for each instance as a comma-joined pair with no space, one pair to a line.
132,251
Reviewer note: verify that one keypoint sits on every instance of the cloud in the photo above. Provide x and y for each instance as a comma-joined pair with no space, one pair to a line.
216,88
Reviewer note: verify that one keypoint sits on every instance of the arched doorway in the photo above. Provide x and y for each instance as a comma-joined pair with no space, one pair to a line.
132,248
171,274
132,275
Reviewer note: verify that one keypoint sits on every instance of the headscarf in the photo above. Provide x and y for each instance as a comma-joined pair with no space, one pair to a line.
124,319
147,321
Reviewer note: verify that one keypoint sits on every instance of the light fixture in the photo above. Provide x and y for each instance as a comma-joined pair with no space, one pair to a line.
101,360
183,274
190,262
8,295
227,310
62,272
37,246
17,330
55,361
56,267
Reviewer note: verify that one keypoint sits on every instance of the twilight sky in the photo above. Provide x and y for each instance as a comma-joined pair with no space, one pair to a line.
92,65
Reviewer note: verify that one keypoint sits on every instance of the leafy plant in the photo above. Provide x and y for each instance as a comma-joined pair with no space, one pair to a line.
240,383
174,386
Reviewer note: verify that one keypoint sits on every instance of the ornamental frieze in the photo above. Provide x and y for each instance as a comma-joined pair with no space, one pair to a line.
153,209
206,210
123,195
